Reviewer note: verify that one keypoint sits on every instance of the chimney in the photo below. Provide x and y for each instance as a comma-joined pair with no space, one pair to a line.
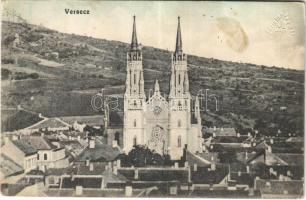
238,135
195,167
6,140
239,173
288,173
271,141
246,155
115,170
281,177
176,165
248,169
119,163
173,190
213,166
215,128
91,167
251,191
87,162
269,149
15,137
78,190
249,134
186,164
109,165
114,143
128,191
92,144
79,138
136,174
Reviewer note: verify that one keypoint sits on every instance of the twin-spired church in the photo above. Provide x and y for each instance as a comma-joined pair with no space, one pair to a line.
164,125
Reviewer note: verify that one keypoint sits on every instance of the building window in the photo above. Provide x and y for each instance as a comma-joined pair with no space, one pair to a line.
179,123
179,79
134,78
45,156
179,141
117,137
135,124
135,141
37,156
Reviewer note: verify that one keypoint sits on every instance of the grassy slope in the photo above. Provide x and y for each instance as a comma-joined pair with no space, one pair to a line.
248,90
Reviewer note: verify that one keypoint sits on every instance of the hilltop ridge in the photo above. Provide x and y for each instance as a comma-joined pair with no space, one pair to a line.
57,73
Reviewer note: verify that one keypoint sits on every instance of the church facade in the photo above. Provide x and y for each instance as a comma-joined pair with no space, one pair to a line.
164,125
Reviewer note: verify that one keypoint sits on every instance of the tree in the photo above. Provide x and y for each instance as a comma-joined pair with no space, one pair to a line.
228,156
141,156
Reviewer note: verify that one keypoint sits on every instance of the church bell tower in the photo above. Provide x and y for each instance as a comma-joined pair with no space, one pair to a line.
134,97
179,99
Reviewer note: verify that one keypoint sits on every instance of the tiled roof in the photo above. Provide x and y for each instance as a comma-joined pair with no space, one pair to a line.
221,131
40,143
115,118
82,169
291,158
93,120
85,182
240,193
205,175
243,178
296,172
110,177
26,148
49,123
280,187
151,174
101,152
229,139
8,167
192,159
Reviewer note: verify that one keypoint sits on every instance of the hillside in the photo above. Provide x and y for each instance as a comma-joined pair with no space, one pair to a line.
57,74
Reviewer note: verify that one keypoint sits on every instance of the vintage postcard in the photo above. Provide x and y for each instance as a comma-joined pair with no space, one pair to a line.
152,99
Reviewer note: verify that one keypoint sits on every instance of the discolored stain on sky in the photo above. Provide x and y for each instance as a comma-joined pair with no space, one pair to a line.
236,38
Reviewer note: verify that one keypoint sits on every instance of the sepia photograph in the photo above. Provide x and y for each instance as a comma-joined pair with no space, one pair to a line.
144,99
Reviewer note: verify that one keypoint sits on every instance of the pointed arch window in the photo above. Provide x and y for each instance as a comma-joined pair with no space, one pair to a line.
179,123
134,141
179,141
179,79
135,123
134,78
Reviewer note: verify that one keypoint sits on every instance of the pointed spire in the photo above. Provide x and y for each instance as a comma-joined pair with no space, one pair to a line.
134,44
178,47
156,90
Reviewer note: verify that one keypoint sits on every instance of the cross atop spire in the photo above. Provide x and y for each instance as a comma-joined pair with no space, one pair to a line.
134,44
178,47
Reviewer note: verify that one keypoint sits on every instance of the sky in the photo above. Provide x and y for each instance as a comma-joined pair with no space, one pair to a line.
263,33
